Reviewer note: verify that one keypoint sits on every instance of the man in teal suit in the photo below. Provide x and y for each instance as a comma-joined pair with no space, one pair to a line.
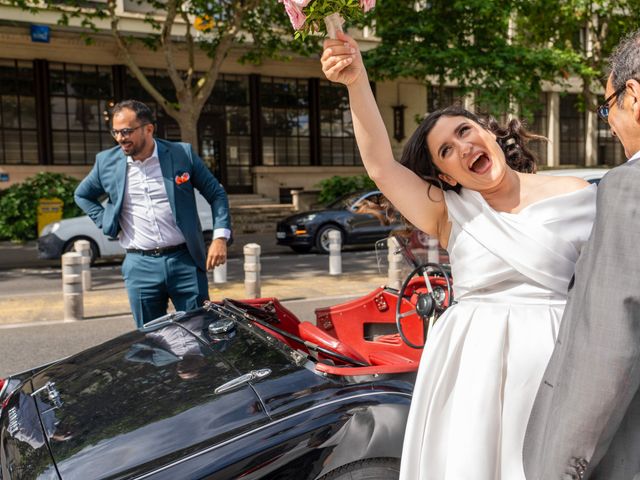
150,207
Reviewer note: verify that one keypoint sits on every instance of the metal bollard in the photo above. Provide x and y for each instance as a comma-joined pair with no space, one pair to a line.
395,275
72,286
335,252
252,270
220,273
433,250
83,247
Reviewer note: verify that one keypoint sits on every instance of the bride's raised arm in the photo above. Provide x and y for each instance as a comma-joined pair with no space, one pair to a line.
342,63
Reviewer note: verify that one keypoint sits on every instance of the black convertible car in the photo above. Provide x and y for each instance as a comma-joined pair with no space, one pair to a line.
223,392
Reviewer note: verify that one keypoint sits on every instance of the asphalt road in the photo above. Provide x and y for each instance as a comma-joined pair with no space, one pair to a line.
29,346
25,282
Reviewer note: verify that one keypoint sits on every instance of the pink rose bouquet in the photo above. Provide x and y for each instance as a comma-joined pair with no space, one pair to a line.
326,16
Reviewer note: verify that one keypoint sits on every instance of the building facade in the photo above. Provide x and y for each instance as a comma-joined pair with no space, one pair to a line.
265,129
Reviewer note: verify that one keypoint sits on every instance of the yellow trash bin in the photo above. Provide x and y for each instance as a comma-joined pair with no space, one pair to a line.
49,211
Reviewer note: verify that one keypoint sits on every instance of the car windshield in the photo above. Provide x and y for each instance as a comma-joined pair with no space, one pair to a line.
346,201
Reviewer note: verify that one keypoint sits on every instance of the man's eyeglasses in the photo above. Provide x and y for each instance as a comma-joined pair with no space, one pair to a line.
125,132
603,110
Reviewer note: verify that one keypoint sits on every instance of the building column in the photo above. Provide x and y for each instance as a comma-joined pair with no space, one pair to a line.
553,145
591,139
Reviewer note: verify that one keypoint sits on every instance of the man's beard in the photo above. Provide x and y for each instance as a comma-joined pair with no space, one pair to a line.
134,149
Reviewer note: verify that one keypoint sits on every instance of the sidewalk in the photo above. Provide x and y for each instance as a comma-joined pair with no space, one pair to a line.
14,255
110,301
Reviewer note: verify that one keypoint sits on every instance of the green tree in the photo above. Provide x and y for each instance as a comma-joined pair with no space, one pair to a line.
501,50
259,27
586,31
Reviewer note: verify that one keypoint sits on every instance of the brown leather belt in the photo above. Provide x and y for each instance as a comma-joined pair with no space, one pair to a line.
156,252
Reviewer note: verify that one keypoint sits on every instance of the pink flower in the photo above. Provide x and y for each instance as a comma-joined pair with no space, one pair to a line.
367,5
294,10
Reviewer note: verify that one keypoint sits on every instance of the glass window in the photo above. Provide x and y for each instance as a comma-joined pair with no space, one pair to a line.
441,97
540,126
79,98
572,128
18,135
285,121
337,145
610,150
229,102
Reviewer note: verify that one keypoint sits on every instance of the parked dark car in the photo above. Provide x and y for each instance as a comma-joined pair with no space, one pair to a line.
350,215
232,390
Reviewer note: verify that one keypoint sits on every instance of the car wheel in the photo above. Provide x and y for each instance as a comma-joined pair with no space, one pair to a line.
322,237
370,469
300,248
95,253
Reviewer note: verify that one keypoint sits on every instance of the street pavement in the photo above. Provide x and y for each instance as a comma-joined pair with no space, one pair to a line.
32,293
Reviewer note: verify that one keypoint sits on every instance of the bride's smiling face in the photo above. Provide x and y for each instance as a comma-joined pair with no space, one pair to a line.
466,153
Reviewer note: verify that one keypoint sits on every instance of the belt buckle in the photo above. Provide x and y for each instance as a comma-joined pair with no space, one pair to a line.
156,252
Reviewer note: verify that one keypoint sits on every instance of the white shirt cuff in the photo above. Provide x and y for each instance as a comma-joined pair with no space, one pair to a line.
222,233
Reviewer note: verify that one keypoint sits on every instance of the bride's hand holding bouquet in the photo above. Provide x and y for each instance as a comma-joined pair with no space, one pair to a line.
341,60
324,16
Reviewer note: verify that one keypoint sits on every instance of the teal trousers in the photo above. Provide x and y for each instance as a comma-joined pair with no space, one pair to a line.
152,281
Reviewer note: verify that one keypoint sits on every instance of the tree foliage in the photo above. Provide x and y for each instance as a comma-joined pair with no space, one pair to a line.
501,50
334,187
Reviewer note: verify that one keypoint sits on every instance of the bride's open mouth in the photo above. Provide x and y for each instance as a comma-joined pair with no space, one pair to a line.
481,164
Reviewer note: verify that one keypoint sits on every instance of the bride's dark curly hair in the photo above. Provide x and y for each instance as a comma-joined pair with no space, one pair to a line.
512,139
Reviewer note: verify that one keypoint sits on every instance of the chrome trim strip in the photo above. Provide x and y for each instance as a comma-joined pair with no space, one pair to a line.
275,422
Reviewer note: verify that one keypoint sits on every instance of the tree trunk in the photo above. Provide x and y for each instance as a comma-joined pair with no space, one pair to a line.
188,125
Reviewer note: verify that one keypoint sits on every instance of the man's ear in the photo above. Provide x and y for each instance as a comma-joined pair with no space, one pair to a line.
447,179
633,87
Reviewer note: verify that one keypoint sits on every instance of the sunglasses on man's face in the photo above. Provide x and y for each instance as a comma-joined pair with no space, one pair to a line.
603,110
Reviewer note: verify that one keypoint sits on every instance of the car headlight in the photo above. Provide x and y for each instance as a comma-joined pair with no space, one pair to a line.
306,218
50,228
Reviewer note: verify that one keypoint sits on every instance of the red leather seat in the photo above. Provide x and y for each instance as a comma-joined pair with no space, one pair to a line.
309,332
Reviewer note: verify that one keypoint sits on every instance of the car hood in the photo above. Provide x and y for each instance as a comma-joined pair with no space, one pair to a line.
136,402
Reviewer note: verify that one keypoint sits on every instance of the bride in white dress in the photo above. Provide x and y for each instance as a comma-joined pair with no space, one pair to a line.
513,239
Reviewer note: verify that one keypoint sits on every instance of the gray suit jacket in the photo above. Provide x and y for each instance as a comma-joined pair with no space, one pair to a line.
585,421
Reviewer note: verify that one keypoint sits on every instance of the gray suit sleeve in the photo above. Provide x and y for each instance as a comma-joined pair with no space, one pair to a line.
595,369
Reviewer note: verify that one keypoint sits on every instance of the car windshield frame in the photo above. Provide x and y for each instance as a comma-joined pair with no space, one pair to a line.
244,319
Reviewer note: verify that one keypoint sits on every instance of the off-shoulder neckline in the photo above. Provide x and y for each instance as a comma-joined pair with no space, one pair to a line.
537,202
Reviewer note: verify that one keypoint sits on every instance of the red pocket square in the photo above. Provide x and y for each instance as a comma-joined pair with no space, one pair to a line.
180,179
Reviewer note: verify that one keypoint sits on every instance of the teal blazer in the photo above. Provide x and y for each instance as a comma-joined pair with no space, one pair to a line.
108,177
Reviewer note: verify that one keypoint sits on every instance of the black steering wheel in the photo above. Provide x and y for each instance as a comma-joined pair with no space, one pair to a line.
429,305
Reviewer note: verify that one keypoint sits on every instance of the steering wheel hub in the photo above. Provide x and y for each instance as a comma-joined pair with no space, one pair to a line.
425,306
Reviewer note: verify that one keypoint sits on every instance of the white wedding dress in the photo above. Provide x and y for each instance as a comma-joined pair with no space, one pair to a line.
485,357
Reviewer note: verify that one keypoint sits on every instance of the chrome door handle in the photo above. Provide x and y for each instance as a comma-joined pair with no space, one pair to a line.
243,379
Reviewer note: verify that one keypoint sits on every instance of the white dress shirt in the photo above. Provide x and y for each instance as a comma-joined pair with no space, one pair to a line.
146,218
